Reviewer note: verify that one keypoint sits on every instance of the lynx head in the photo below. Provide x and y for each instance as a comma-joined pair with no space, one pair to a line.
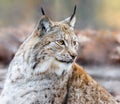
56,46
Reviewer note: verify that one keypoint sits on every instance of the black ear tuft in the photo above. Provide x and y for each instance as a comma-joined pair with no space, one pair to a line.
73,13
42,11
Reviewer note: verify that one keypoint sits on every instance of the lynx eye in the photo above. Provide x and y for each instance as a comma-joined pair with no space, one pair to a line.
61,42
74,43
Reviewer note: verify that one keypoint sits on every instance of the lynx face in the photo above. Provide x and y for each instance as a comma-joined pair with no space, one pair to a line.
62,44
65,44
56,45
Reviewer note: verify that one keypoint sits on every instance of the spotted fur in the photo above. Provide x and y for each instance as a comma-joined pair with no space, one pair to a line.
84,90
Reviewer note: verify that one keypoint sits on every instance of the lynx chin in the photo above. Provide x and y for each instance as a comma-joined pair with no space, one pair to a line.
43,70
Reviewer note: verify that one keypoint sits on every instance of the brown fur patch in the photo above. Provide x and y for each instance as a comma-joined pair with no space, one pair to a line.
78,71
66,28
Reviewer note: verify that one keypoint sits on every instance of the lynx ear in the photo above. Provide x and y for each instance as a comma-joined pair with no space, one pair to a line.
45,23
72,19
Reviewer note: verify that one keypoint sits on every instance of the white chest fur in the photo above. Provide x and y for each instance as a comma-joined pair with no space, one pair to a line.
48,78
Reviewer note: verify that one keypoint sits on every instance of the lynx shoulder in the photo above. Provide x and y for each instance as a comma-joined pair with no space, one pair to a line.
85,90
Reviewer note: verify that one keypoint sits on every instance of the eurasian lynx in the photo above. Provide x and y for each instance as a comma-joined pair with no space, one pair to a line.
43,70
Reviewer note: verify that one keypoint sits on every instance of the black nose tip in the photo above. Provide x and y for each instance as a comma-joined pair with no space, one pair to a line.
73,56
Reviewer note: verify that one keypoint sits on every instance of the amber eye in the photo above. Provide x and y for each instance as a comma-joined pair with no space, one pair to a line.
74,42
61,42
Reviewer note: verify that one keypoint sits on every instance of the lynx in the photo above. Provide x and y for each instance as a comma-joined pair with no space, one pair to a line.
44,71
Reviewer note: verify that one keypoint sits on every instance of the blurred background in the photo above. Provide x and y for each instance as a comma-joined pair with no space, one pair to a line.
97,27
90,13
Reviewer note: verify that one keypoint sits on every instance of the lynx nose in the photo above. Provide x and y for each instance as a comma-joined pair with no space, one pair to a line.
73,55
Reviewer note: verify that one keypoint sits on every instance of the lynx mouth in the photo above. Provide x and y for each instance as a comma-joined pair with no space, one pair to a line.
65,61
